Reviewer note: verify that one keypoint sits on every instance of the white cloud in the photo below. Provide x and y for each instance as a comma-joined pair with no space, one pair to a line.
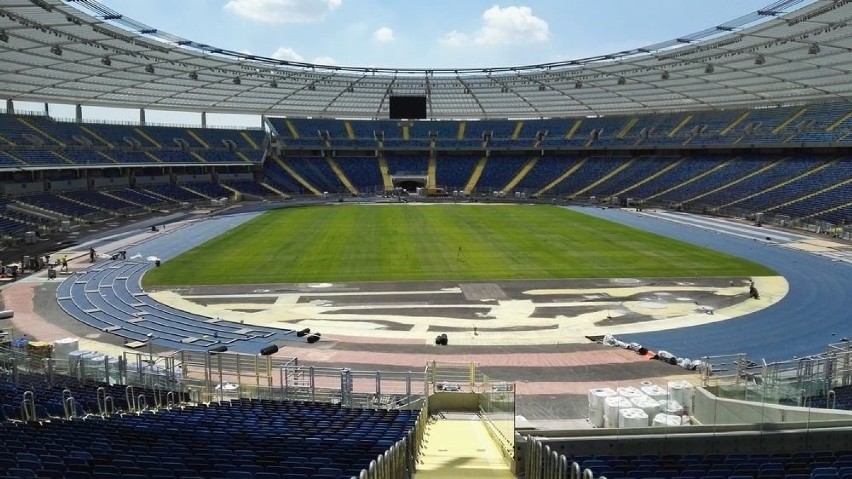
324,61
454,39
282,11
383,34
502,26
288,54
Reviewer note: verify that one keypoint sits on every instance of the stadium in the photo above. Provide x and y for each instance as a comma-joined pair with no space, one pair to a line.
633,265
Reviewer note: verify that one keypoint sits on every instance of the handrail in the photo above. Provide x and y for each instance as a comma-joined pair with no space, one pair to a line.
100,398
130,398
70,405
28,412
141,403
170,399
109,401
831,399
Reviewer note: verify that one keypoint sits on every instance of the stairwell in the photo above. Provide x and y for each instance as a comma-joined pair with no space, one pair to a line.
734,123
249,140
198,139
432,171
679,126
383,168
39,130
147,137
474,177
63,157
606,177
95,135
516,133
690,180
629,126
296,176
780,128
650,178
830,210
293,131
458,445
782,184
839,122
104,155
738,180
460,133
341,175
573,130
528,166
562,177
273,189
810,195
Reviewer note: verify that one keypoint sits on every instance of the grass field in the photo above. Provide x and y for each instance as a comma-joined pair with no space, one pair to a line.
446,242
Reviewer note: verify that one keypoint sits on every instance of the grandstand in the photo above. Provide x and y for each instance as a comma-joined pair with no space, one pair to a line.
749,120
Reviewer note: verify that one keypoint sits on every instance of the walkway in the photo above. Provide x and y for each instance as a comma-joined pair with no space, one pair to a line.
460,446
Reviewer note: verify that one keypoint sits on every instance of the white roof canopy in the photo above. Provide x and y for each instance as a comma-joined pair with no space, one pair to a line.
80,52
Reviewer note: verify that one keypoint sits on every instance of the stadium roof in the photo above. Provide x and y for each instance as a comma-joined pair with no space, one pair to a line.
80,52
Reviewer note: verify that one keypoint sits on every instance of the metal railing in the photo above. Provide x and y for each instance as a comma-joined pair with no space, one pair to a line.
544,463
400,461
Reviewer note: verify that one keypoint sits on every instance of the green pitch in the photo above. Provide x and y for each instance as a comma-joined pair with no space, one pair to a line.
347,243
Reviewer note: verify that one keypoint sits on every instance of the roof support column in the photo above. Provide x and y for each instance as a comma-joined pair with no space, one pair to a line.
10,106
78,113
46,109
141,116
203,119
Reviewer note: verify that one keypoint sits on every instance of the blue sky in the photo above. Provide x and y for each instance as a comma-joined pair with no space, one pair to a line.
414,33
432,33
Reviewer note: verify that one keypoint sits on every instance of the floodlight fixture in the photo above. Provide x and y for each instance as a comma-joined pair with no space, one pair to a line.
813,49
193,75
664,75
106,61
56,50
759,60
149,68
621,81
709,69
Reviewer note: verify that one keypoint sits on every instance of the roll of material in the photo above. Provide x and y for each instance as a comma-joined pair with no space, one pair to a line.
647,404
629,392
596,417
596,405
670,406
655,392
611,407
597,396
632,417
63,347
666,420
681,391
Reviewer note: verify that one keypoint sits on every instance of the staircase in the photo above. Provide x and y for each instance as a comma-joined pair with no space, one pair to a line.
691,180
62,157
39,130
810,195
296,176
562,177
406,132
95,135
629,126
679,126
460,133
197,157
734,123
779,185
458,445
432,171
153,157
839,122
274,189
293,131
198,139
386,179
780,128
606,177
519,126
830,210
573,130
650,178
753,173
249,140
104,155
528,166
142,133
341,175
350,133
196,192
474,177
